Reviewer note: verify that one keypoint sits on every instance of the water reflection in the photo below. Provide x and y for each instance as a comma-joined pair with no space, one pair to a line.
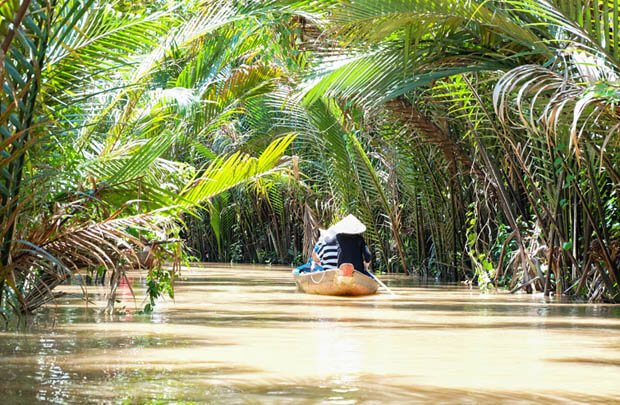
236,335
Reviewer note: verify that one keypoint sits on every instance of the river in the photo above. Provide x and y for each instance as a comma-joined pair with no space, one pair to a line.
242,335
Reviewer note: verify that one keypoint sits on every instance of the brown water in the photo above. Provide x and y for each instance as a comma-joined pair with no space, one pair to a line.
243,336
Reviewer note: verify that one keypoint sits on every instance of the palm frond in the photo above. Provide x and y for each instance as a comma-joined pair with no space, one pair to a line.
587,104
225,173
46,258
593,24
389,208
91,42
388,17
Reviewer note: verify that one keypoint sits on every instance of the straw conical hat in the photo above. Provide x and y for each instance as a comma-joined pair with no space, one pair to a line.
349,225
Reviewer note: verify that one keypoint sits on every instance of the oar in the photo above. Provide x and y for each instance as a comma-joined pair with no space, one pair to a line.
381,283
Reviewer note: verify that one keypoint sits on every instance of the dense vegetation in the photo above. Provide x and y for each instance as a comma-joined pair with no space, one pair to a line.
476,140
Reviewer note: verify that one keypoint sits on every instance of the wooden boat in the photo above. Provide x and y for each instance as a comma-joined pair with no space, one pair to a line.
343,281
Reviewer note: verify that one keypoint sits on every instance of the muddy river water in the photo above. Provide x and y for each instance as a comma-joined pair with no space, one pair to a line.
242,335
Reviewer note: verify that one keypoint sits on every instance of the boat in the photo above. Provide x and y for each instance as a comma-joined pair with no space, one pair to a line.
344,281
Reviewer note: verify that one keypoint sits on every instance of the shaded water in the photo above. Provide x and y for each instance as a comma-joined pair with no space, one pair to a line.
243,336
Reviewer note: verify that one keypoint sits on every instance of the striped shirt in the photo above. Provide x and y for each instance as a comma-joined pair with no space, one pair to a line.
328,255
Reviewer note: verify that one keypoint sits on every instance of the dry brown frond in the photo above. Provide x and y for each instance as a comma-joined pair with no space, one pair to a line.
48,255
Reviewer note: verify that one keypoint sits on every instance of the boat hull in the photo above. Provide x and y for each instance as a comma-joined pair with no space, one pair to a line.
336,282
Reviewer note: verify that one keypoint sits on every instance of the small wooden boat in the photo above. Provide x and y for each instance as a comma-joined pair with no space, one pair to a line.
343,281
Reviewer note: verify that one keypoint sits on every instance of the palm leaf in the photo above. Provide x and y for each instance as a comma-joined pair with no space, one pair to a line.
225,173
388,208
46,259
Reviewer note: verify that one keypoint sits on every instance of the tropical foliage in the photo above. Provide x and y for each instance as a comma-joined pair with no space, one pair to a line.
476,140
105,122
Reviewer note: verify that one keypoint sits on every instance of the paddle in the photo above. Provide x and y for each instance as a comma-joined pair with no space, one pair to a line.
380,282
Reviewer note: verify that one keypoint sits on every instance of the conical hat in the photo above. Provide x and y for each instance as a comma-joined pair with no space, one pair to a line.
349,225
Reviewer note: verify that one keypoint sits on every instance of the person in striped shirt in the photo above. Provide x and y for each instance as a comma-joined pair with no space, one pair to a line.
325,253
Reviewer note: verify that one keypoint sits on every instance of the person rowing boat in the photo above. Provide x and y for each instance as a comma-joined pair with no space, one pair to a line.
350,276
352,247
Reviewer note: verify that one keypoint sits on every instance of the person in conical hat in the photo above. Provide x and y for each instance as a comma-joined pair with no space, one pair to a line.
352,247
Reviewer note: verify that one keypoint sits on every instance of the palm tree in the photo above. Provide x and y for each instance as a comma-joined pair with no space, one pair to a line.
114,185
433,65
